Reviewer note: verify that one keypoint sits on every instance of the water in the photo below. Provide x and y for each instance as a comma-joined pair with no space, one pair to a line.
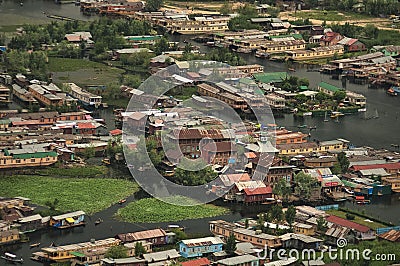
377,133
12,13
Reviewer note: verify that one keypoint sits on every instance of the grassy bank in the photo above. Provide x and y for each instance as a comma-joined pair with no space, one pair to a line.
88,194
358,219
83,72
330,15
152,210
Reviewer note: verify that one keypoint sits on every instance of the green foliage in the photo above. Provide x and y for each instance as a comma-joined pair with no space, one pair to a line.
241,22
300,98
290,215
117,252
73,193
230,246
339,95
52,204
282,189
161,45
179,235
193,178
343,162
292,83
321,97
89,152
304,185
336,169
350,216
322,225
21,61
78,172
153,211
276,213
139,249
153,5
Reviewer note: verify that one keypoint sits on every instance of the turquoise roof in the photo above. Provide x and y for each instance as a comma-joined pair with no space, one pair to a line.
329,87
271,77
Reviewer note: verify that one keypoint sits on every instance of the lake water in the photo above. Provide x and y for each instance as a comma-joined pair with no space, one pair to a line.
379,133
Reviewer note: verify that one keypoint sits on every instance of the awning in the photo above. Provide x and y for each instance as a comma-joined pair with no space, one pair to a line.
70,220
77,254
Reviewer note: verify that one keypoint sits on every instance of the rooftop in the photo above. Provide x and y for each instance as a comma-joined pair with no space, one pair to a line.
205,241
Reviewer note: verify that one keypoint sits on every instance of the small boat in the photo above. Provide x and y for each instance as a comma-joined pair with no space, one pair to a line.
34,245
362,110
393,91
307,114
313,128
261,54
106,161
292,69
121,201
362,202
98,221
302,126
336,114
12,258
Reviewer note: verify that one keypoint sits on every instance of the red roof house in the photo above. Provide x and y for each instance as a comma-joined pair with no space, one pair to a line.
198,262
259,194
349,224
330,38
116,132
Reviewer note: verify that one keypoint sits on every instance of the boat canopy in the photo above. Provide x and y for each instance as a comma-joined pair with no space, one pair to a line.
70,220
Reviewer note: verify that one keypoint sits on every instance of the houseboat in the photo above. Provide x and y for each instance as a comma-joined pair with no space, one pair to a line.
68,220
88,99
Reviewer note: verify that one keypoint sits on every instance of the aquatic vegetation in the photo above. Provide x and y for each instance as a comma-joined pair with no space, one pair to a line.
88,194
152,210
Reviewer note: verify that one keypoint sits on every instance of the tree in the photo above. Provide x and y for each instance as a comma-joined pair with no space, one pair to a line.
89,152
230,246
117,252
343,162
246,223
194,178
282,189
304,184
321,97
321,224
139,249
153,5
290,215
179,235
339,95
161,45
301,98
336,169
371,31
277,213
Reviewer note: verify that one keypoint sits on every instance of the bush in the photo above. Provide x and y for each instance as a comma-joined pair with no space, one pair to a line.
350,216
